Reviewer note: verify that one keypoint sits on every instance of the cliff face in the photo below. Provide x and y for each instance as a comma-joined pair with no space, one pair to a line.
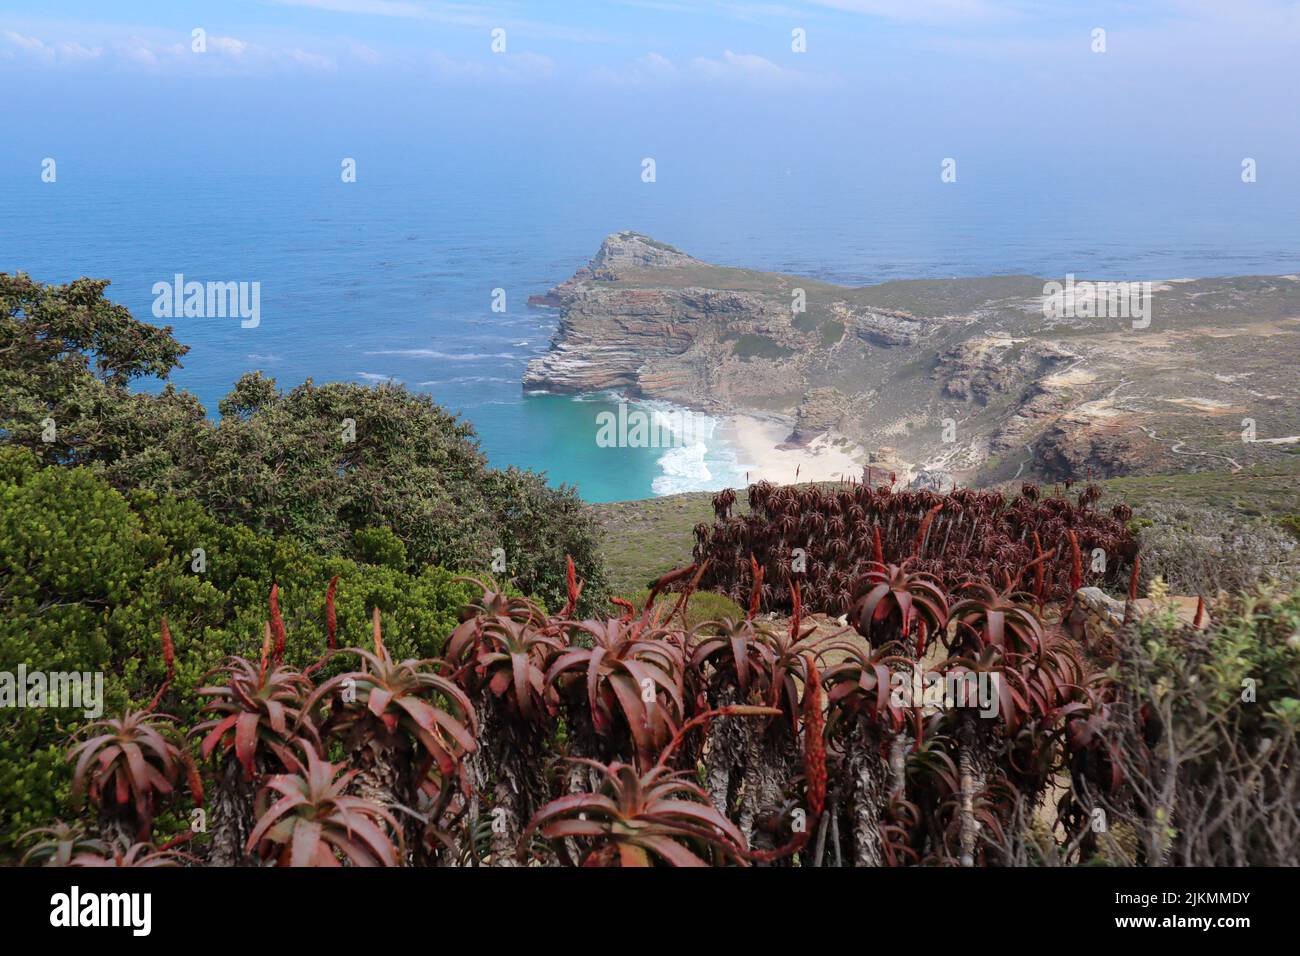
965,378
631,324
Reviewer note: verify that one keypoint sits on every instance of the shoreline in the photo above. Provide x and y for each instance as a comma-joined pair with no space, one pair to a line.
732,449
762,450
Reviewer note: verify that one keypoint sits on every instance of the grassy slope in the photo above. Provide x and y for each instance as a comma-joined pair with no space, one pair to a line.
1270,490
643,539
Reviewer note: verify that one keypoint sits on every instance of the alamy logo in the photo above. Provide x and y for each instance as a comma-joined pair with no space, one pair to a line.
642,428
1100,300
208,300
37,689
103,909
955,688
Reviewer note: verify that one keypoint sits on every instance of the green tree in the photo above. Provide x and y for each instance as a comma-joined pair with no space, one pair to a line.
69,356
318,463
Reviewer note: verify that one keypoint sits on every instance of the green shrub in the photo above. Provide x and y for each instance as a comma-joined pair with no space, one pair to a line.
1202,550
1219,716
87,573
380,546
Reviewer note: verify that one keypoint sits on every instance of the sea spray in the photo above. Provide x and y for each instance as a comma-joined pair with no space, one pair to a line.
694,457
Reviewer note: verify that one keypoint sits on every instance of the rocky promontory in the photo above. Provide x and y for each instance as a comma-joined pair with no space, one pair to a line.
960,377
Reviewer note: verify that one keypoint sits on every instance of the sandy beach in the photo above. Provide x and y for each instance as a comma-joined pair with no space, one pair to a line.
757,443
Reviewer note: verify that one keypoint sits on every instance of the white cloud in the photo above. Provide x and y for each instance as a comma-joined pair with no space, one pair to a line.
653,69
364,54
308,61
483,16
500,66
935,12
30,44
379,8
57,53
75,51
162,52
138,52
748,69
227,46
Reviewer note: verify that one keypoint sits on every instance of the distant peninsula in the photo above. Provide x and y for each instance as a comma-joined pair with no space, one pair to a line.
941,380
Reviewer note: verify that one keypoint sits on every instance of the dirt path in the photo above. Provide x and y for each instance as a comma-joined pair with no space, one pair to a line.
1176,446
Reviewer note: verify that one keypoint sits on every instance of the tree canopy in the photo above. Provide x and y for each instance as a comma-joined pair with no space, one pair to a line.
319,463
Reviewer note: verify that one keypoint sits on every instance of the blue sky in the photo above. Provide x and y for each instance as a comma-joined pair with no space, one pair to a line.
1181,81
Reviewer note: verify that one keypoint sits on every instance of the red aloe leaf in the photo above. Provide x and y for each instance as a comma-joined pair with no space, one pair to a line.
797,601
169,656
266,650
377,633
925,528
331,616
688,591
814,722
755,595
628,610
277,626
192,778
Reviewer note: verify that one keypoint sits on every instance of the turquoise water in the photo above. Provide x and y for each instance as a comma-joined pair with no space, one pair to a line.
564,433
392,276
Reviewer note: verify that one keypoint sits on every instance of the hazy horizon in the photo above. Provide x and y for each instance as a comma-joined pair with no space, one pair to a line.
885,89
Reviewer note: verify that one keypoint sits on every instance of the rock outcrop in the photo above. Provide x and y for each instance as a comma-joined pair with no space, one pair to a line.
980,369
626,252
881,327
632,323
1073,446
820,411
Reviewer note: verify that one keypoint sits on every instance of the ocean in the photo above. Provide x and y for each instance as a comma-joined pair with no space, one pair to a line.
393,276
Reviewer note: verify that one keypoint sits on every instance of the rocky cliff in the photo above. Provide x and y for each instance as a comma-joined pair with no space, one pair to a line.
962,378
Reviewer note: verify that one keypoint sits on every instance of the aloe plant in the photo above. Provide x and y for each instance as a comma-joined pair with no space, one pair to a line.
398,722
640,819
126,766
58,843
631,680
500,653
310,819
256,728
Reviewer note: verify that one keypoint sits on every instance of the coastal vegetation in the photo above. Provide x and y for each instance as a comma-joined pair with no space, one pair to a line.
826,537
319,463
308,659
632,739
87,574
1239,514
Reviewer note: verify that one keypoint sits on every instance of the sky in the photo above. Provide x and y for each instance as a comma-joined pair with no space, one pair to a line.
885,84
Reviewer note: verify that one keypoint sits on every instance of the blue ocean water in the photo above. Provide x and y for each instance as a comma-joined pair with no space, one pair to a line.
393,276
